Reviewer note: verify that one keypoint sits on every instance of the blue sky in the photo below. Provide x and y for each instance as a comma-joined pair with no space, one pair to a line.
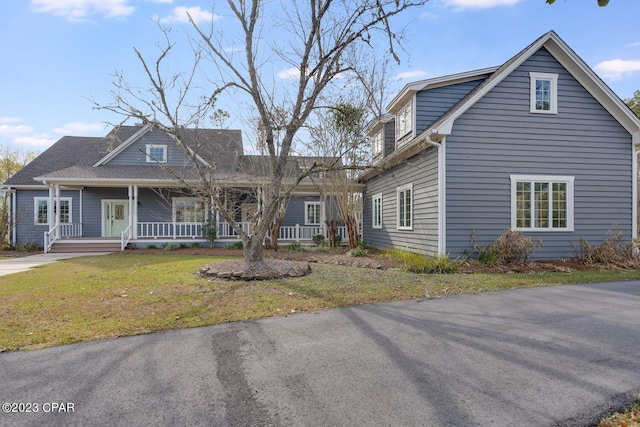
59,55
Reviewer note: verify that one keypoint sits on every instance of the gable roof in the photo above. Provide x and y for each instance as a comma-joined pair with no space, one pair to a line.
570,61
443,126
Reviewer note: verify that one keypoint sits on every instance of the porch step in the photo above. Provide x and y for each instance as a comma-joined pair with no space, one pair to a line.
68,247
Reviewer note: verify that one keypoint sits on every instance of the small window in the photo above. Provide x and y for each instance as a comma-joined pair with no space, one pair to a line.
376,148
188,209
544,93
156,153
404,121
312,213
377,210
41,210
405,207
542,203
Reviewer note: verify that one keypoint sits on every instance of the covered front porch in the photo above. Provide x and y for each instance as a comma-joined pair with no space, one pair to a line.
97,218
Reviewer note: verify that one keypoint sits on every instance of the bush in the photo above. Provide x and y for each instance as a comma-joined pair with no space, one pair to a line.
360,251
234,245
210,229
29,247
509,248
338,239
171,246
613,251
195,245
295,247
151,246
318,239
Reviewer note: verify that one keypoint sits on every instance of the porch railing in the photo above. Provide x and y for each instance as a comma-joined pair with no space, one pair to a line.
125,237
193,230
61,231
172,230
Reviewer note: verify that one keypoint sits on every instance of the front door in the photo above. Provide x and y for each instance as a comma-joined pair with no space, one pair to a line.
115,214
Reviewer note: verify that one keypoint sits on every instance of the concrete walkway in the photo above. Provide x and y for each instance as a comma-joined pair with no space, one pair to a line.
18,265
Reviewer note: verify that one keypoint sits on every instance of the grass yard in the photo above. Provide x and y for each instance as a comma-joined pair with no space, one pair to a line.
115,295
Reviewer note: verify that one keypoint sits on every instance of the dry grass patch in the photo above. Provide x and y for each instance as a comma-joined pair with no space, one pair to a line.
127,294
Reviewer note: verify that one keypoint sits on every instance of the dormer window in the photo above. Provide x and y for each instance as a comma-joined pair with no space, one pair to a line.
376,148
156,153
404,121
544,93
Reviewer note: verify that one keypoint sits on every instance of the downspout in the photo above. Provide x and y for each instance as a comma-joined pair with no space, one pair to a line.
14,213
634,187
442,205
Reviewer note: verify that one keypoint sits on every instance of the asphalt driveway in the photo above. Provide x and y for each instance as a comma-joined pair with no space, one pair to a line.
530,357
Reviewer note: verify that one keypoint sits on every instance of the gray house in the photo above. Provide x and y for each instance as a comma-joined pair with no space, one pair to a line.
539,144
138,186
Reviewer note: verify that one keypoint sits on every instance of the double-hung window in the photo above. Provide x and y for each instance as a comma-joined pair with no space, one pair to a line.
544,93
189,209
405,207
404,121
542,203
312,213
376,148
377,211
156,153
41,210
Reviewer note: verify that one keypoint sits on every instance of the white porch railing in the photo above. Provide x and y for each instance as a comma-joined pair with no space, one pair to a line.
60,231
125,236
169,230
193,230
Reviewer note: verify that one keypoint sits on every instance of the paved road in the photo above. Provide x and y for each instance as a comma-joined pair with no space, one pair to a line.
531,357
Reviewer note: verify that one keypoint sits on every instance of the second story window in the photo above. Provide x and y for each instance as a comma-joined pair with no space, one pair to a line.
156,153
544,93
404,121
376,148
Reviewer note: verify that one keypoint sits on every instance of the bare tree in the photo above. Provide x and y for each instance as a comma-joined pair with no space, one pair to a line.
11,161
316,39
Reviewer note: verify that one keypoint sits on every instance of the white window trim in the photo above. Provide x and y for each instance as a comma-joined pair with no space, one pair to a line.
373,210
150,159
553,78
398,191
406,135
177,199
569,180
306,204
46,199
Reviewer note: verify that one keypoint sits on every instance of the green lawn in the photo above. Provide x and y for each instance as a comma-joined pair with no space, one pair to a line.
126,294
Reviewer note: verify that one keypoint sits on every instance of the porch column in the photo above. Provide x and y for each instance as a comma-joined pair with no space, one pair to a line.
130,195
50,209
57,210
80,220
135,212
14,211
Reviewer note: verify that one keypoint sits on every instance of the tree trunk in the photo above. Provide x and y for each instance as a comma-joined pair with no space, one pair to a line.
352,231
332,230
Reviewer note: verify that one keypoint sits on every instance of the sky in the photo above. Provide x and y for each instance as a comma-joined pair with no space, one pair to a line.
58,57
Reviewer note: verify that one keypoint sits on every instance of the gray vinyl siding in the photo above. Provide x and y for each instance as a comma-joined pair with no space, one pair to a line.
433,103
26,229
92,208
295,213
389,137
499,137
135,154
421,171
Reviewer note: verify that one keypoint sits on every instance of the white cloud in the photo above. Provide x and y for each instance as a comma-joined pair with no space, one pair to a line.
289,73
480,4
634,44
179,15
80,128
428,15
39,141
81,10
616,69
10,127
411,75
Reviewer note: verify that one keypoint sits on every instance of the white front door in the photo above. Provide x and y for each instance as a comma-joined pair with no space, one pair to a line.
115,217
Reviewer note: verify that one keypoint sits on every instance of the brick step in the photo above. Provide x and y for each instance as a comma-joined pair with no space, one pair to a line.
74,247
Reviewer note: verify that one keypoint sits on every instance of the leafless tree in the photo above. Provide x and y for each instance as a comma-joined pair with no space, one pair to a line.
314,38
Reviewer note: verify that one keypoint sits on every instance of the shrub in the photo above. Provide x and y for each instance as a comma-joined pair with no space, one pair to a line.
195,245
509,248
613,251
234,245
152,246
360,251
171,246
338,239
210,229
295,247
318,239
29,247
